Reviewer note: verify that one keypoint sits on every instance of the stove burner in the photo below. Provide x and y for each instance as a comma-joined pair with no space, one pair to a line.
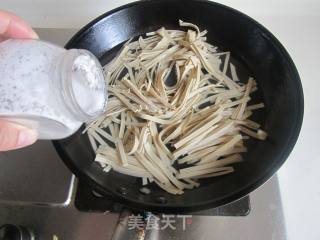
87,200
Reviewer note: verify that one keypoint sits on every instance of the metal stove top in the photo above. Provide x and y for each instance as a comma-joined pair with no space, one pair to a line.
88,200
30,176
38,192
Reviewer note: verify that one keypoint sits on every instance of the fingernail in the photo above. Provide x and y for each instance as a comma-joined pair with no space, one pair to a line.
34,35
26,137
20,29
4,25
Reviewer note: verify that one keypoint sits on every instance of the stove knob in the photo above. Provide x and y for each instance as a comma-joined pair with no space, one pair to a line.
14,232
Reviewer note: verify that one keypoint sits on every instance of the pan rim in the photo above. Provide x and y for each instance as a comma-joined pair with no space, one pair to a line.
245,190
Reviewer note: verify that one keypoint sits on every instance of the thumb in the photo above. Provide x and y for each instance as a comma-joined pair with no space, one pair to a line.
11,26
13,136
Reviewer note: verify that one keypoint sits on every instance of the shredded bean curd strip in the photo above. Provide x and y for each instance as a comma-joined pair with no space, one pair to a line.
173,101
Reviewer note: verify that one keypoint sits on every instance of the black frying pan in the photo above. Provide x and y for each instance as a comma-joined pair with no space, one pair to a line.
255,51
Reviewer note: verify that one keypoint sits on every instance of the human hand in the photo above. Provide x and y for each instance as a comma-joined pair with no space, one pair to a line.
13,136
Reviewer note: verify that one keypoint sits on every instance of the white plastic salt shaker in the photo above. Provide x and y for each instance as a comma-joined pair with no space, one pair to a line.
49,88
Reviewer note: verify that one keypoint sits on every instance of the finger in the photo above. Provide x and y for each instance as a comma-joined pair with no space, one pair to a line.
11,26
14,136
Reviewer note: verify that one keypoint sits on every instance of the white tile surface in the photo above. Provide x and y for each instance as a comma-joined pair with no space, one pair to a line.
296,24
299,177
76,13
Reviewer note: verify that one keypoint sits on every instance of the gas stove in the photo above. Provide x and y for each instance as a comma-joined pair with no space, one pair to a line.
40,198
88,200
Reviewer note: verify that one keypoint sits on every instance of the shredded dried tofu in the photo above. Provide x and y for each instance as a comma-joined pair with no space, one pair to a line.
174,114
